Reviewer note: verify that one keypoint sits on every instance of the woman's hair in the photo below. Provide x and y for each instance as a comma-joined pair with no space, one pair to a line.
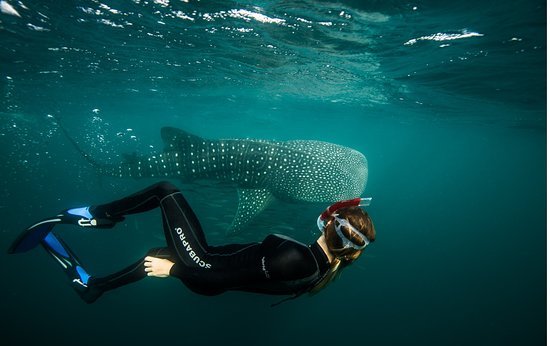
343,257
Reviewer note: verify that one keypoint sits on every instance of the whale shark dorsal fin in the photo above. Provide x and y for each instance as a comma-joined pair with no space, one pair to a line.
251,203
174,138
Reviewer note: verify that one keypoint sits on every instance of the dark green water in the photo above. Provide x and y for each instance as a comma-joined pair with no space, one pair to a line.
447,100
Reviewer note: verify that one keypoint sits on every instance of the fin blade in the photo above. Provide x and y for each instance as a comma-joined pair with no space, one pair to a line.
32,236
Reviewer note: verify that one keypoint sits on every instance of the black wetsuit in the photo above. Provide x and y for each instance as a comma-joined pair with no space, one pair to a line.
277,265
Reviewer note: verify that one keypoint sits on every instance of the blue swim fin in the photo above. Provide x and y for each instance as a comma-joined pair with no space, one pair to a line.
82,217
81,280
61,252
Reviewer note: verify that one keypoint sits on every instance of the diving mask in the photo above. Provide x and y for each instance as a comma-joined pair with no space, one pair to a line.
347,243
340,222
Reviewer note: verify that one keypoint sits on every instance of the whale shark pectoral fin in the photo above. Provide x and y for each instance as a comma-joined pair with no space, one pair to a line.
251,203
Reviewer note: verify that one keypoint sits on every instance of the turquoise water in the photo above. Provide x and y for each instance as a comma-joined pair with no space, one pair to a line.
447,100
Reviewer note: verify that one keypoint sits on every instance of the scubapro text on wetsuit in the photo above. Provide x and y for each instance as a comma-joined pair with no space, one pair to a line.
190,251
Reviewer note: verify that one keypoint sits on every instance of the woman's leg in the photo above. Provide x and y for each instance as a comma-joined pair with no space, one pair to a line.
182,229
90,288
141,201
185,238
187,246
132,273
183,232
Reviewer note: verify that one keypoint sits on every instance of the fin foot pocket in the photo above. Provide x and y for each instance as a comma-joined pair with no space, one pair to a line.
88,293
83,217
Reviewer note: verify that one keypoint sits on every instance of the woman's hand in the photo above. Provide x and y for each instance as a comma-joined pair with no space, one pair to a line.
157,267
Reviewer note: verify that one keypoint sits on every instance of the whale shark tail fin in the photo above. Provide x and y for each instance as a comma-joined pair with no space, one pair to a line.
176,139
84,154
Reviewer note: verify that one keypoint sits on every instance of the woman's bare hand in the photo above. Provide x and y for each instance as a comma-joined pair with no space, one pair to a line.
157,267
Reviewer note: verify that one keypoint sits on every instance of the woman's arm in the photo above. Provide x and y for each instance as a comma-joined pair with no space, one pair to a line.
157,267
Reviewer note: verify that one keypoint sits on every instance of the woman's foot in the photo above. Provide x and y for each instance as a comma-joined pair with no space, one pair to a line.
84,217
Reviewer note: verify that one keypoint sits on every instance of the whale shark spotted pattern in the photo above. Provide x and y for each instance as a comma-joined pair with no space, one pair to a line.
297,170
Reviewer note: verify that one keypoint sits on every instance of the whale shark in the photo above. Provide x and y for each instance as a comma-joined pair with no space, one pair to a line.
261,170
